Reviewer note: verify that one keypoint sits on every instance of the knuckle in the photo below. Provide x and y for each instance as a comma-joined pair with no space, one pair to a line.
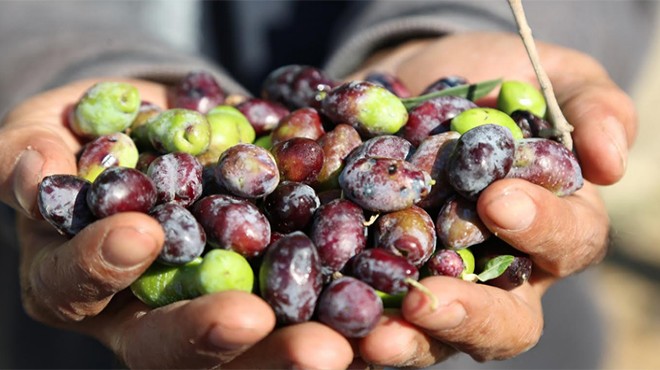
531,337
42,307
517,345
577,259
49,294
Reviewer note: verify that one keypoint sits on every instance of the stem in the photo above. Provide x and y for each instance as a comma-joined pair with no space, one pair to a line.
473,278
555,116
371,220
426,291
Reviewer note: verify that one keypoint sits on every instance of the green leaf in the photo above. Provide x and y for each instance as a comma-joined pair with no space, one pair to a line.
467,91
495,267
391,300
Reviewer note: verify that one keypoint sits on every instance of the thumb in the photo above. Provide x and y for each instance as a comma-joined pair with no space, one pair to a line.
31,152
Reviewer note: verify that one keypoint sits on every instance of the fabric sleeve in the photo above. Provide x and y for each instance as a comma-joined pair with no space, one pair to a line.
616,33
381,24
49,43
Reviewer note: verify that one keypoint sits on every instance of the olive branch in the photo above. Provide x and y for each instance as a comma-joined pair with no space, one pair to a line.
555,116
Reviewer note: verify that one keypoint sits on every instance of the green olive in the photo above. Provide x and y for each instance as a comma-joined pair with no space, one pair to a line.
162,284
223,269
105,108
219,270
179,130
474,117
519,95
468,260
106,151
265,142
228,127
380,112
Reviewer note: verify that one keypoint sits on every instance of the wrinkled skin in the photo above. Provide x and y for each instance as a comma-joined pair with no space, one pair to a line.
236,329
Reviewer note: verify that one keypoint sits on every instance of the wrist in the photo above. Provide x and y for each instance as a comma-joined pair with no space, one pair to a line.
388,60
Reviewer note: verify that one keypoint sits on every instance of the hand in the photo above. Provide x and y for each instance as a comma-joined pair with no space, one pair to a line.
562,235
80,284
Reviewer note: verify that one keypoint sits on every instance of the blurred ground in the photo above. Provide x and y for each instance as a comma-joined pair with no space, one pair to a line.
629,290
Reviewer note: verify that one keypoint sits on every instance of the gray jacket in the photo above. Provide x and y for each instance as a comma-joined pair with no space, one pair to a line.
47,43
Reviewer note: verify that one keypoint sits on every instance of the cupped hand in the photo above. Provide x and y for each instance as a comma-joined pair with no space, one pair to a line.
80,284
562,235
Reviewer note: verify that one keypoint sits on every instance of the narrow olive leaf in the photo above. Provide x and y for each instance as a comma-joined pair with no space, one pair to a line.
495,267
469,91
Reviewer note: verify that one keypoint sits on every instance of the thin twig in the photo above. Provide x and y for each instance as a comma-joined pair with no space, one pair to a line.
555,116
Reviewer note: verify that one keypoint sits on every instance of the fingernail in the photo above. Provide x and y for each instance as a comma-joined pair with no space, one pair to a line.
613,128
447,316
26,179
450,316
127,247
220,338
514,210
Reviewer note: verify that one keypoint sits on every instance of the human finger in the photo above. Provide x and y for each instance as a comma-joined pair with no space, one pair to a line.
398,343
308,345
486,322
65,281
204,332
31,152
605,125
562,234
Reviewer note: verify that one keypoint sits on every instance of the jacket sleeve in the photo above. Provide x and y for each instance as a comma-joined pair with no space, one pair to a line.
382,24
616,33
49,43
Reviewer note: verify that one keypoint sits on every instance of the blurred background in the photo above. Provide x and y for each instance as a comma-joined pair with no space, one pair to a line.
629,288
